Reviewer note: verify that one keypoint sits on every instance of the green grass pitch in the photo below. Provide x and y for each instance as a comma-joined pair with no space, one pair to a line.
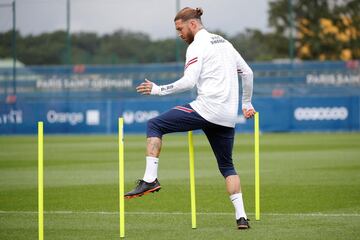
310,188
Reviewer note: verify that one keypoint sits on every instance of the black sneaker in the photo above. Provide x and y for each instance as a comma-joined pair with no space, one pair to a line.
143,188
242,223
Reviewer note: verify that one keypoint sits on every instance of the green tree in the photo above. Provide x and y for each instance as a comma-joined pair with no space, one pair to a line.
84,47
6,44
254,45
325,29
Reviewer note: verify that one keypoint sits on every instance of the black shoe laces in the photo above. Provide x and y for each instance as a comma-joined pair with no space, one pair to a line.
137,182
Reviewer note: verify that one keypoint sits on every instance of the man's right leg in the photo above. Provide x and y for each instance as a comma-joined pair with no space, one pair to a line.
149,183
153,149
178,119
153,146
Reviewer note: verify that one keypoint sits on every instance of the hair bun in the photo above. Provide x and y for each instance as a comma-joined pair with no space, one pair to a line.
189,13
199,11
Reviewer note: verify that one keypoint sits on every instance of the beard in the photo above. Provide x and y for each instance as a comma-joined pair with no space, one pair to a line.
189,38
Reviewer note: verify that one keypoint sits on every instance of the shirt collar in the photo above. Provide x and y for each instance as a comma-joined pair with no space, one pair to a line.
200,33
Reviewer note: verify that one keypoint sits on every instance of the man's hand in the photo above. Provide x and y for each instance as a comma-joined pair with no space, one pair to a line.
248,110
145,87
249,113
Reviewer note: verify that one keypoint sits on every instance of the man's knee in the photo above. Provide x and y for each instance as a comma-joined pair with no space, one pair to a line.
227,171
153,128
151,124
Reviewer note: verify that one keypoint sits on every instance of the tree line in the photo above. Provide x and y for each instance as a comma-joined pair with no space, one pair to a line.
125,47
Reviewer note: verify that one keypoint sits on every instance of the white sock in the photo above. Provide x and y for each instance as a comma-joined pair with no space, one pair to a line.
237,200
151,169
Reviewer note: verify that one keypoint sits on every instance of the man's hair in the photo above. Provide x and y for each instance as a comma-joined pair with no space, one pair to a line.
189,13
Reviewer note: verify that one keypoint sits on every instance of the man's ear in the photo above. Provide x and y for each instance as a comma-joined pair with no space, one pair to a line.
192,23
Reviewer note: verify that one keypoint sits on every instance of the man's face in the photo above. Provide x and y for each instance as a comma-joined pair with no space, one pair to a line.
183,30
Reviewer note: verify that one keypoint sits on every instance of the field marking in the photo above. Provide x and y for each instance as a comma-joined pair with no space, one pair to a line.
184,213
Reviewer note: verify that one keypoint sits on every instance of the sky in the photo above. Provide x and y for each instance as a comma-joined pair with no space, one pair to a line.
153,17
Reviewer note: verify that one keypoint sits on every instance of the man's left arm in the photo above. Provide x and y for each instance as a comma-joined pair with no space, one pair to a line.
247,78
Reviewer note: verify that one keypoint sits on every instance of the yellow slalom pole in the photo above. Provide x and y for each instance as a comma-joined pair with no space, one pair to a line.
257,167
192,179
40,180
121,178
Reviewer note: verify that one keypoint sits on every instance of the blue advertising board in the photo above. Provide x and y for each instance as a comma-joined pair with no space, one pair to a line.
276,115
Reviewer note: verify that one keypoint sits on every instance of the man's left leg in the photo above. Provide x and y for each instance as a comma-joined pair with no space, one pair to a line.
221,140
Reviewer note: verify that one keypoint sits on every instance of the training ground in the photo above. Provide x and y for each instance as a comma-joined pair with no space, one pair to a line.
310,188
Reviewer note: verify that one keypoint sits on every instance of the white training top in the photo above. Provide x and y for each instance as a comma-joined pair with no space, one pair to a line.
213,65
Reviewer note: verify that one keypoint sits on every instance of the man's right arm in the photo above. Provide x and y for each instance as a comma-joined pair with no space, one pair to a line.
192,71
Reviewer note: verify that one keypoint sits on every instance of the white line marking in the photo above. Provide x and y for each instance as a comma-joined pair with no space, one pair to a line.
185,213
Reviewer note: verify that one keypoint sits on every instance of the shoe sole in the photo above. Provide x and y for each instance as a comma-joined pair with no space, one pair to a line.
243,227
144,193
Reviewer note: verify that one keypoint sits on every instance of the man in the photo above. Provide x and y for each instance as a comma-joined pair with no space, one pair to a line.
213,65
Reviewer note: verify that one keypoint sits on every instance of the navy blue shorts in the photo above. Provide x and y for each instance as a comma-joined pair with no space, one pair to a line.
183,119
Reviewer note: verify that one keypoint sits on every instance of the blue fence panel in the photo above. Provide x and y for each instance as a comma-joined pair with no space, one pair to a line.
276,114
81,82
322,114
300,96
